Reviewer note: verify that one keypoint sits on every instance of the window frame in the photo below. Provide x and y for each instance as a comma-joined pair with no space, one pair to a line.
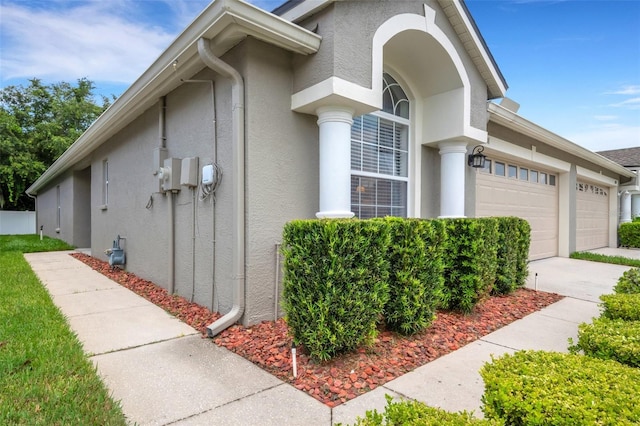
105,184
400,174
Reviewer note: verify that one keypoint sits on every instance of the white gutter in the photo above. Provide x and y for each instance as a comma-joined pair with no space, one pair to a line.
237,169
500,115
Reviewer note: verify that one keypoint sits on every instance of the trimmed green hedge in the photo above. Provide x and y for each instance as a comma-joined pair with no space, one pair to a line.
618,340
342,276
418,414
629,282
514,239
621,306
470,262
629,234
416,273
335,283
547,388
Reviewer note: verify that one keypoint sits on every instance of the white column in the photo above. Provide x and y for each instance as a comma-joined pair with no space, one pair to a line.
635,205
453,156
625,207
335,162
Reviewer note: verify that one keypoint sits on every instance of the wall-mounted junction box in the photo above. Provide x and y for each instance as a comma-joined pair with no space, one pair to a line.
189,172
207,174
170,175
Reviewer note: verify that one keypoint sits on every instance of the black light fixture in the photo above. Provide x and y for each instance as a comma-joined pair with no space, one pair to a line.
477,158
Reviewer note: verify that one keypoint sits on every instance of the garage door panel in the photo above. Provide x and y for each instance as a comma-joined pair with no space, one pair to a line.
592,216
537,203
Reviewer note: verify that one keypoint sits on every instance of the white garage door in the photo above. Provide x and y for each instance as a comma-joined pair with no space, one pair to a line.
592,216
508,189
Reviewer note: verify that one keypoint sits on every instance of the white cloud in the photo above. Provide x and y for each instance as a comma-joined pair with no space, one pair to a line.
605,117
625,90
97,40
610,136
633,103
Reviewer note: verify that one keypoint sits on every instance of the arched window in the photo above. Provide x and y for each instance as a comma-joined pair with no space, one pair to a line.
380,156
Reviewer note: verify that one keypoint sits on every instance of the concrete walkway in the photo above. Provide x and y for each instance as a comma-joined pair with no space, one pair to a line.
164,372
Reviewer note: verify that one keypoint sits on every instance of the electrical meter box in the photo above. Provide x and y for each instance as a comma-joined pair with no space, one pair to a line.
189,172
171,174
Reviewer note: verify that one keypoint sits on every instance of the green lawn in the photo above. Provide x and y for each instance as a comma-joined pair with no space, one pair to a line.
45,377
603,258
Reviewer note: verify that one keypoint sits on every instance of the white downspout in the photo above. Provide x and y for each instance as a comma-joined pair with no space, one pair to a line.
237,169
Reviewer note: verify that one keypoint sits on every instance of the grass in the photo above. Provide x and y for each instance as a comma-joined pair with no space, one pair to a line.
31,244
603,258
45,377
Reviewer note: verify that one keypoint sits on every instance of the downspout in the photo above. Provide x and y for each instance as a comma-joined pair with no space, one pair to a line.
238,214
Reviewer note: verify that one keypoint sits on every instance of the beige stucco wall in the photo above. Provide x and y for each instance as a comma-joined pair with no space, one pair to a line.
281,182
282,169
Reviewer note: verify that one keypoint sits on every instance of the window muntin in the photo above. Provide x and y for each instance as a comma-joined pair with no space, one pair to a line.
524,174
380,156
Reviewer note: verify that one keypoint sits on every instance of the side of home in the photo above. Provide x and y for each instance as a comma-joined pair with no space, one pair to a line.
251,119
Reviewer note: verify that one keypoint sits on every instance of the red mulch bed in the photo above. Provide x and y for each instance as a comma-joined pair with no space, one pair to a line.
347,376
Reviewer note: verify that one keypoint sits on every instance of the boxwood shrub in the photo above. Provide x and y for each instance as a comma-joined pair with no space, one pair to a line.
621,306
418,414
618,340
629,282
629,234
514,237
335,283
470,262
547,388
416,273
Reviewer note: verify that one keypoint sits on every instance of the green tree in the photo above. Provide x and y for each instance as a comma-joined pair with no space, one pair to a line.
37,124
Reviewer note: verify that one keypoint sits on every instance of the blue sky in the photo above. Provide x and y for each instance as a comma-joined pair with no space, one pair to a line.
573,65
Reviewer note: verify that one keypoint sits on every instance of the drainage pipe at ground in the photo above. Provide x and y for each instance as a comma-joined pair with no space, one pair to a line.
237,169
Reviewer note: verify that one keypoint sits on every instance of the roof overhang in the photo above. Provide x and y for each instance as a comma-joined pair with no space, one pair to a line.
500,115
226,23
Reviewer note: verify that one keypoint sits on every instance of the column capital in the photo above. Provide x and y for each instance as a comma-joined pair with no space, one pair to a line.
453,147
335,114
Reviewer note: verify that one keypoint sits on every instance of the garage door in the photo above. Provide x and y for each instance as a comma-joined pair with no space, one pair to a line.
511,189
592,216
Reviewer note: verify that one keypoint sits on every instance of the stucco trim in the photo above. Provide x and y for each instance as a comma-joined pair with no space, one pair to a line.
511,120
226,23
336,91
517,152
596,177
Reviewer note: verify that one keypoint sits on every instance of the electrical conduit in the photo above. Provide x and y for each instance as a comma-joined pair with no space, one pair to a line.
162,143
238,243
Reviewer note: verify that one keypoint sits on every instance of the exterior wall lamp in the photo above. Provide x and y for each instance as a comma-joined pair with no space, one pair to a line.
477,158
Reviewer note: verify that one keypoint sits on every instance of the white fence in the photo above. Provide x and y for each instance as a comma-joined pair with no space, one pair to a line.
13,223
